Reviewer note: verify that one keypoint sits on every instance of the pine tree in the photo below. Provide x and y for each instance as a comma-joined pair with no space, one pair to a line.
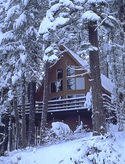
20,47
72,9
98,110
116,58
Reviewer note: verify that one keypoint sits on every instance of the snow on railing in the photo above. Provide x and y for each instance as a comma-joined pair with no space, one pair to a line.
68,104
58,105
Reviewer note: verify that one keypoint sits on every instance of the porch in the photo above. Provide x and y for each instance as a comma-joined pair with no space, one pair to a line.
69,104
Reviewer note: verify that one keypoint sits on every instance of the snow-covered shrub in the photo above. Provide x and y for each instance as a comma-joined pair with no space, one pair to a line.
60,129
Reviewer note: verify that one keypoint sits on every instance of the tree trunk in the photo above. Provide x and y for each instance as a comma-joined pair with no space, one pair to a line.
31,134
122,107
98,118
121,123
45,101
16,121
9,145
24,141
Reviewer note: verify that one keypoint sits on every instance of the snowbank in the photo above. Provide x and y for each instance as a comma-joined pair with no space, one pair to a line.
108,149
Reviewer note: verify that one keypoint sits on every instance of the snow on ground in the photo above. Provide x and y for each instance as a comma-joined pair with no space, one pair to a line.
109,149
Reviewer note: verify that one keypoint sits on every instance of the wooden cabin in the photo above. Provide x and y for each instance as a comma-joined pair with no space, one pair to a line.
69,82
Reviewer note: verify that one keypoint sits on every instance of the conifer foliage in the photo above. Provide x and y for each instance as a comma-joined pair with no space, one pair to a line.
31,32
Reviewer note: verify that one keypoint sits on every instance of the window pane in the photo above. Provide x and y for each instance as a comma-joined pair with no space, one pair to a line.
70,71
80,83
59,73
53,87
59,85
71,84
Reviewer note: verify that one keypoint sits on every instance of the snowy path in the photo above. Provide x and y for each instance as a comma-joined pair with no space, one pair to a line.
53,154
102,149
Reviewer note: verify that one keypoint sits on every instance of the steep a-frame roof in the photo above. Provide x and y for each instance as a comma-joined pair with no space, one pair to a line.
82,62
106,82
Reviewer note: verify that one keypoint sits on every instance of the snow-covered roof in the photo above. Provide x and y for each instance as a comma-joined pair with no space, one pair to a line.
106,82
82,62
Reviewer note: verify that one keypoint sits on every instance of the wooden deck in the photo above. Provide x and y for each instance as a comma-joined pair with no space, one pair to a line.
70,104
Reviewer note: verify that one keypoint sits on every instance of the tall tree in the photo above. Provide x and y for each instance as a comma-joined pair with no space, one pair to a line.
116,58
19,44
24,139
98,117
60,13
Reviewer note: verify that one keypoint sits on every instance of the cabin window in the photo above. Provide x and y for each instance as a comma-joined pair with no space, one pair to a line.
70,70
59,73
53,87
80,83
71,84
75,83
59,85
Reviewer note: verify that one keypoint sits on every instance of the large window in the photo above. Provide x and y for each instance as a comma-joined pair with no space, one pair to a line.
73,82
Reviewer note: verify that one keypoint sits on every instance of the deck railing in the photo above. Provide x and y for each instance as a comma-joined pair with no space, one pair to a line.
68,104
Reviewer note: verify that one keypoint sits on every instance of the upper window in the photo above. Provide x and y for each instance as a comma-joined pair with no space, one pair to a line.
59,73
80,83
70,71
59,85
71,84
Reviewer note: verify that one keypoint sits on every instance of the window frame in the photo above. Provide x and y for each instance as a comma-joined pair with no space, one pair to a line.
57,74
75,79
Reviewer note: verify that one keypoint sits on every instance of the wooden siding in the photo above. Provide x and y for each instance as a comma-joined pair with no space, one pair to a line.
63,62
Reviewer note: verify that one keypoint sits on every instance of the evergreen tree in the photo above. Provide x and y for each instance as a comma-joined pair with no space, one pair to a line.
58,12
20,49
